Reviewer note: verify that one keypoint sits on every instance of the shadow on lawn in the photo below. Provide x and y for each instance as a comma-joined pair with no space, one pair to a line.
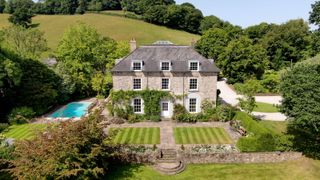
122,171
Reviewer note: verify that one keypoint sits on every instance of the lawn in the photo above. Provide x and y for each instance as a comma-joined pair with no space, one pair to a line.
201,135
274,126
118,28
265,107
25,131
137,135
299,169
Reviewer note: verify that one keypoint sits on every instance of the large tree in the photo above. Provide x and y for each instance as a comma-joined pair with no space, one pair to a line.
242,60
209,22
21,12
27,42
82,53
315,13
301,103
287,42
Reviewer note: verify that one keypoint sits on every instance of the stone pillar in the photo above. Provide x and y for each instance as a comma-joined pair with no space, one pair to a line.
133,44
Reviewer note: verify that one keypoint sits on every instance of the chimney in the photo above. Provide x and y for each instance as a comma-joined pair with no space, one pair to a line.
193,43
133,44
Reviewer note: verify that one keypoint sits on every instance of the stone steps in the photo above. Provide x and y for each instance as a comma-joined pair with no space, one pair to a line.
168,164
170,168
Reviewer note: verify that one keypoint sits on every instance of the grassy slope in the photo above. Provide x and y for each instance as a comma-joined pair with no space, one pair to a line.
275,127
118,28
265,107
201,135
299,169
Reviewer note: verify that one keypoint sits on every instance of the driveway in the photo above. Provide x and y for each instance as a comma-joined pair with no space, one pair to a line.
231,97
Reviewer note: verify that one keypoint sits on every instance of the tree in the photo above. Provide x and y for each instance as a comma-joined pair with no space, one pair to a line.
156,14
209,22
256,32
301,103
2,5
67,151
314,17
247,103
28,43
287,42
213,43
82,5
242,60
82,53
22,12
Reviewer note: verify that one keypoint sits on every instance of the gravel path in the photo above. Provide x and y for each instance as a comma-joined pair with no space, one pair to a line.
231,97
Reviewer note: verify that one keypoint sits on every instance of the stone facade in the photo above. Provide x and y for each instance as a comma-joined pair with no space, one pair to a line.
179,84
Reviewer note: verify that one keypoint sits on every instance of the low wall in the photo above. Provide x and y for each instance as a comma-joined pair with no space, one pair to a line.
268,157
207,158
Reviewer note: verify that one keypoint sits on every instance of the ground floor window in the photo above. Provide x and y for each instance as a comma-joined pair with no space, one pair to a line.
137,105
192,105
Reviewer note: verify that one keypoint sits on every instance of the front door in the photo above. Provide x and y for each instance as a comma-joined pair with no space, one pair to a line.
165,109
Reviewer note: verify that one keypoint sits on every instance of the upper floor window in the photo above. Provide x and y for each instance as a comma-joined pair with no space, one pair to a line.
165,66
137,65
137,84
193,84
194,66
165,84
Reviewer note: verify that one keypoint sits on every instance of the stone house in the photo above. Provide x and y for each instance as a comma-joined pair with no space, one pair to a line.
167,67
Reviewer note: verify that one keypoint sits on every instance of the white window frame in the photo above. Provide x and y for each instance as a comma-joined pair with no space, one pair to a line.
168,84
198,63
137,61
169,62
133,84
195,105
134,105
197,89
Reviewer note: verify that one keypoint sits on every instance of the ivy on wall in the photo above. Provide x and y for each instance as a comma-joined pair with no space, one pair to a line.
121,101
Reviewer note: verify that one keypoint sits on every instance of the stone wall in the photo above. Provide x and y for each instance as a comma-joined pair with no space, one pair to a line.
268,157
207,158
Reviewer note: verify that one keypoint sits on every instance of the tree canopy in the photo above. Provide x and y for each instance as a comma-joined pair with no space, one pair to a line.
21,12
301,102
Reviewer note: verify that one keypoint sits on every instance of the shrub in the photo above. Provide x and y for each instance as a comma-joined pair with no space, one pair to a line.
251,86
271,82
208,107
225,112
21,115
3,126
178,110
123,112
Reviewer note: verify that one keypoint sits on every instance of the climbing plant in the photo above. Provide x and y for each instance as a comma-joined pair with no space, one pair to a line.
121,101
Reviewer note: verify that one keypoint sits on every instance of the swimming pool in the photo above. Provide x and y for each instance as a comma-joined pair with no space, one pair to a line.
72,110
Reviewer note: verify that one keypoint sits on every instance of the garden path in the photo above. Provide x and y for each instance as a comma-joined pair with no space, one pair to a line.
231,97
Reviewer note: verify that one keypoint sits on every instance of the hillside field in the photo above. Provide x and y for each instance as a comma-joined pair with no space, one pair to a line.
118,28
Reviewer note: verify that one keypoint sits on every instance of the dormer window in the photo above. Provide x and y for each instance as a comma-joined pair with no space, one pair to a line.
137,65
193,65
165,66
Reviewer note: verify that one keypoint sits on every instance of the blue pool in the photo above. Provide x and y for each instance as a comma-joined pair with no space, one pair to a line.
72,110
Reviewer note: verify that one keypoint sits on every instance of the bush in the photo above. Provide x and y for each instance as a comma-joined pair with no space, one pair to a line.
271,82
208,107
3,126
251,86
123,112
225,112
178,110
21,115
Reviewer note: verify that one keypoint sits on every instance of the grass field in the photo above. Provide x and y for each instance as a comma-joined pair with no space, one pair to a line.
294,170
201,135
118,28
25,131
137,136
274,126
265,107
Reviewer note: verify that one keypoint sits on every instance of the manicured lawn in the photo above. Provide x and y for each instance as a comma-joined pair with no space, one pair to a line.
274,126
25,131
293,170
118,28
201,135
137,136
265,107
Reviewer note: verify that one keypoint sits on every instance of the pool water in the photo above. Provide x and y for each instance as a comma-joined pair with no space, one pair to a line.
72,110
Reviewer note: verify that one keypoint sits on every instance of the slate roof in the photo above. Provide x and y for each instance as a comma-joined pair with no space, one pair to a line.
152,55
